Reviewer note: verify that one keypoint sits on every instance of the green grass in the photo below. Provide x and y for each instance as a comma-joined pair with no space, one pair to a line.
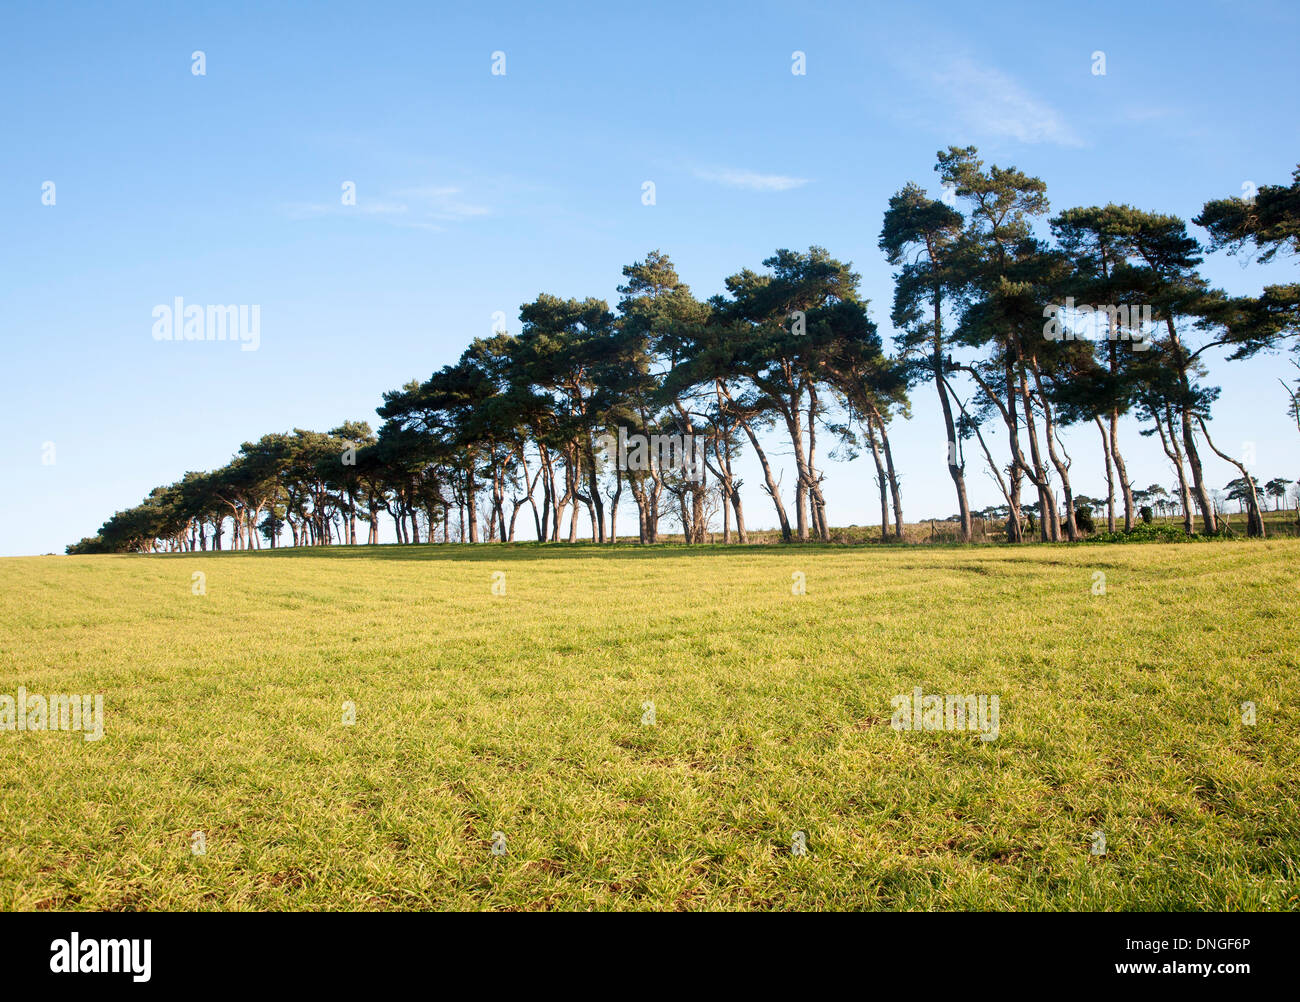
523,713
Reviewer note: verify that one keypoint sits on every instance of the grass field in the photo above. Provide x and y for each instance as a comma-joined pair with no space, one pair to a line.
525,714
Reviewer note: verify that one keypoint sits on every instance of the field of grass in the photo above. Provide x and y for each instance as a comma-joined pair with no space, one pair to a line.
525,714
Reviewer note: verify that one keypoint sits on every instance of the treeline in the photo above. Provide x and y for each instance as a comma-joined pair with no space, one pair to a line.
990,313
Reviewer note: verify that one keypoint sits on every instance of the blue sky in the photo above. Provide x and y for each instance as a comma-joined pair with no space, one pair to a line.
476,192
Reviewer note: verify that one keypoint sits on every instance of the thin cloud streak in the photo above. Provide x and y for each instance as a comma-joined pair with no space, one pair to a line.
420,208
749,180
991,103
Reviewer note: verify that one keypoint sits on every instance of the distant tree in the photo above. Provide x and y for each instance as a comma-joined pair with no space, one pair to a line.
340,472
1276,489
1237,490
1093,238
781,363
1002,278
1246,485
1157,497
1160,265
871,388
660,331
921,237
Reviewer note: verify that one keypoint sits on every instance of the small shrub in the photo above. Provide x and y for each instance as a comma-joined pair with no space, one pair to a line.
1083,519
1146,513
1147,533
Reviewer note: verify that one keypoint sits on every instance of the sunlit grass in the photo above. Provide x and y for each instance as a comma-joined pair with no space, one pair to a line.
522,714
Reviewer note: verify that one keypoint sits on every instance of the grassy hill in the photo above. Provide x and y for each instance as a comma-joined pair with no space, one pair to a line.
522,721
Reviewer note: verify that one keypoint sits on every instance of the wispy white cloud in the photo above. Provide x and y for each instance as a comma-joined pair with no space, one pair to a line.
989,102
749,180
446,203
410,208
382,208
1146,113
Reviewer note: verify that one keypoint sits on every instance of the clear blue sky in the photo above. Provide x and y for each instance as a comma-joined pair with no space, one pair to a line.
476,192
